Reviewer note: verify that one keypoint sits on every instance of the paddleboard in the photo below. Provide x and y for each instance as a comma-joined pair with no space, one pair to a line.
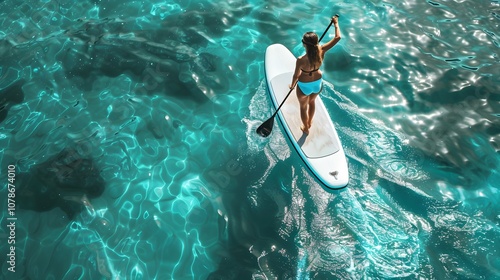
321,150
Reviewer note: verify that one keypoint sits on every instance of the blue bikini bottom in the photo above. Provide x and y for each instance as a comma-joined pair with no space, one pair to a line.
310,87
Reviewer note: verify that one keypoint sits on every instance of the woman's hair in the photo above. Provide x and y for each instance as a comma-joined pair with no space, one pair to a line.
313,50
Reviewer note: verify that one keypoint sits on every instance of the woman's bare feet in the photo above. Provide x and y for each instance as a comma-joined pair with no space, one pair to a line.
304,129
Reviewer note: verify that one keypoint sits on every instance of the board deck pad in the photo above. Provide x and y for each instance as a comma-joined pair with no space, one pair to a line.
320,142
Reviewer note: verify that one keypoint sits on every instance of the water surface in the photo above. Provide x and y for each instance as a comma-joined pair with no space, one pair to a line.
157,103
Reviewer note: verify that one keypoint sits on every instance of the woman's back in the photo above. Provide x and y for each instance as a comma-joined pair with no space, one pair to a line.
309,72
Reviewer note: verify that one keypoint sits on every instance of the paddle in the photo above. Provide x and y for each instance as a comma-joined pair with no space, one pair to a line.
265,128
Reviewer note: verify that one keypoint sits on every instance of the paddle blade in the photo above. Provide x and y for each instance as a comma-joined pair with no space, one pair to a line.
265,129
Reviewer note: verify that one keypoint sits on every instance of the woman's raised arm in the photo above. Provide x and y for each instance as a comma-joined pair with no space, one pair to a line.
328,45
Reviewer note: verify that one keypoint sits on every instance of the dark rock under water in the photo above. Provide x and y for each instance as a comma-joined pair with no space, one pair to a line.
12,94
64,181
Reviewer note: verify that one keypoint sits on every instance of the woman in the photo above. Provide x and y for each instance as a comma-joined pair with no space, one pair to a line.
307,75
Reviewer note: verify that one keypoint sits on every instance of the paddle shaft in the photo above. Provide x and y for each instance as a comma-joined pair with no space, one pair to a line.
283,102
324,33
288,94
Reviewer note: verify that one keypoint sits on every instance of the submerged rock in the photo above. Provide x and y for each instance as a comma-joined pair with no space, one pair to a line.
171,60
66,181
12,94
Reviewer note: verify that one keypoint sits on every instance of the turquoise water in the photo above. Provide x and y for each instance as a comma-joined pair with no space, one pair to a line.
131,128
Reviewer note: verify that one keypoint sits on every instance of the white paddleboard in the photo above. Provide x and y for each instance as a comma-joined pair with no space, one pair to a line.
321,150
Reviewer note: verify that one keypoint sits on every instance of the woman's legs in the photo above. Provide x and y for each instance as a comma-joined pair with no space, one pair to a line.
307,109
311,108
304,104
